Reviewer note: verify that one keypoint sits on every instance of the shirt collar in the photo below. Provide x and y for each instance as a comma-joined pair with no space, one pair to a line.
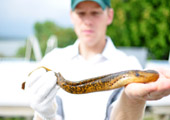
74,51
109,49
107,52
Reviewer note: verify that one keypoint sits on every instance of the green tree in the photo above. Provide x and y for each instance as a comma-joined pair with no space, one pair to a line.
142,23
43,31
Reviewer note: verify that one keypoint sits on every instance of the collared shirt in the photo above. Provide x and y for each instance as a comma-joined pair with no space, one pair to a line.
74,67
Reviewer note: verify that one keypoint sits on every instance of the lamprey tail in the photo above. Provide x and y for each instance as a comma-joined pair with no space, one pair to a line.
23,84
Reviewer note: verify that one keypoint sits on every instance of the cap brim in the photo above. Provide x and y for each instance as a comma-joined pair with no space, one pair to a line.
101,3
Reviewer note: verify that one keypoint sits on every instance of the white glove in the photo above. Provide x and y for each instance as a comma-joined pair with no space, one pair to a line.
41,87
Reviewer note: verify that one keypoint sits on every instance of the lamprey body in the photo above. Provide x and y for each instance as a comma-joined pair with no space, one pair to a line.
105,82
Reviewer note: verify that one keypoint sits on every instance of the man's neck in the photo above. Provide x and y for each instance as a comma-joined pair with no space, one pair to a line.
89,51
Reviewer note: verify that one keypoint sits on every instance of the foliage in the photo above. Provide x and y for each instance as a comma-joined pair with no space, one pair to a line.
142,23
21,52
12,118
43,31
1,55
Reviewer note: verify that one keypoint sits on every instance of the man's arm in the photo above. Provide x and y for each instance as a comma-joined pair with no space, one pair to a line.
127,109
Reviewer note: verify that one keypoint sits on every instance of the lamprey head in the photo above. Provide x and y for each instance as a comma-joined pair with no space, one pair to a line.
145,76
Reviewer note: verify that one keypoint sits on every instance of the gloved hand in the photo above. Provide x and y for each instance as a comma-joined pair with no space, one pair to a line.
41,87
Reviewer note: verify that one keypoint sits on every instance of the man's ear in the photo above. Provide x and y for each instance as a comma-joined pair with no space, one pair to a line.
71,16
110,15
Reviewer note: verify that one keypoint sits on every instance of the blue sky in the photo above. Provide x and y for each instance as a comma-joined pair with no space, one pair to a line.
17,17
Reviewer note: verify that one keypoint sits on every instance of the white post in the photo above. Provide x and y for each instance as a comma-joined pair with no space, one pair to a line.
33,43
28,50
52,43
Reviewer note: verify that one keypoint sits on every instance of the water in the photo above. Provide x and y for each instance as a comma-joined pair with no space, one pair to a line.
9,48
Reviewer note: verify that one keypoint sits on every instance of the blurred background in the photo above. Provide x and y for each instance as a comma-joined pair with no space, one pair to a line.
30,29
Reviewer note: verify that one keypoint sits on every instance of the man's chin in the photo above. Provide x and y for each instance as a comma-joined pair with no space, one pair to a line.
90,43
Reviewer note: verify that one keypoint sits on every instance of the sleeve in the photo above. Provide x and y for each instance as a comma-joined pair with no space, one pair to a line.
112,101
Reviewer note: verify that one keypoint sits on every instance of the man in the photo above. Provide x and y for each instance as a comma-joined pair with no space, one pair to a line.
92,55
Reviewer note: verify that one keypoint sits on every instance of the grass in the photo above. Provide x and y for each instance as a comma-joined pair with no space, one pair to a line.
148,118
22,118
13,118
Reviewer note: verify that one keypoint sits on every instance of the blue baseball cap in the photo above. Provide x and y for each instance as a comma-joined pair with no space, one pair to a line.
102,3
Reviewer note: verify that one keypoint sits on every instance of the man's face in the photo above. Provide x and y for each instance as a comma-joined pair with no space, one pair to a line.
90,22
